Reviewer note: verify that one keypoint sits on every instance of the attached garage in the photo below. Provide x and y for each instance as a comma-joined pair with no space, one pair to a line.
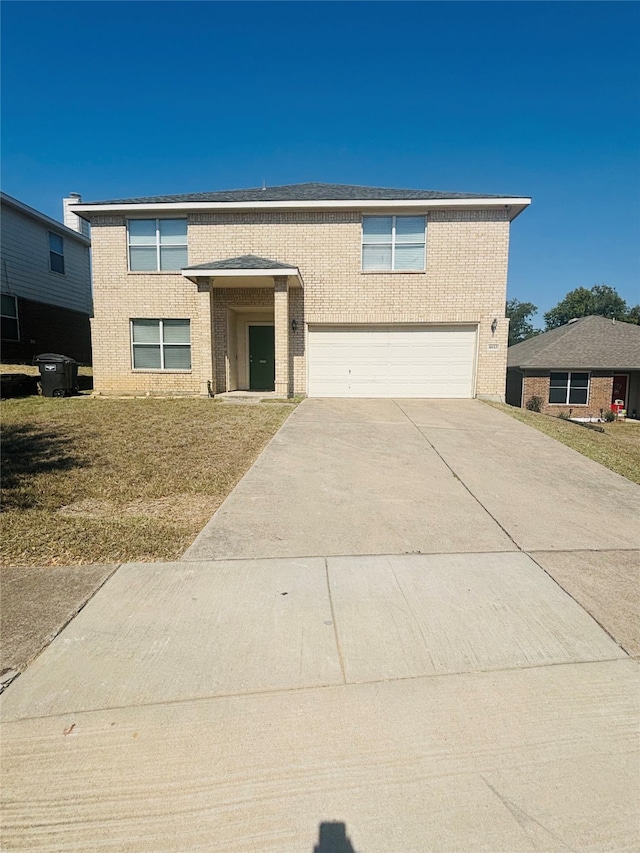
391,361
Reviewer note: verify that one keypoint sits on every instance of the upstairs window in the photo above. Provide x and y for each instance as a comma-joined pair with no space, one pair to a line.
161,344
9,318
157,244
393,243
56,253
569,389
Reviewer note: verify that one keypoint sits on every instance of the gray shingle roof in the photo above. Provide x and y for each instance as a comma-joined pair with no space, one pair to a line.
591,343
243,262
302,192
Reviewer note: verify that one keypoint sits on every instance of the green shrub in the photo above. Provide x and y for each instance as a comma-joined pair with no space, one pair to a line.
534,404
609,416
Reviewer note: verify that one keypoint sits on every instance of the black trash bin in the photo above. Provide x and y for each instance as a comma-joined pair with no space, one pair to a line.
58,374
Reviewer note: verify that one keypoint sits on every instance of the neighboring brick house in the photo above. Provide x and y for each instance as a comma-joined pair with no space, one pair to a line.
579,369
317,289
46,283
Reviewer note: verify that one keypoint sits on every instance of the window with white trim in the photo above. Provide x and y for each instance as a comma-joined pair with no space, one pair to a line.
569,389
157,244
393,243
56,253
161,344
9,318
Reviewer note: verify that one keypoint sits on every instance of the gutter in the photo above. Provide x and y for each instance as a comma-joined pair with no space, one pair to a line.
514,206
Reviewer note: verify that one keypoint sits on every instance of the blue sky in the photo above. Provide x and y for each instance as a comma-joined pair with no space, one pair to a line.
527,98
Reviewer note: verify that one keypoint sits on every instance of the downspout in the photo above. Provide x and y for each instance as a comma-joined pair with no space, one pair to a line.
521,387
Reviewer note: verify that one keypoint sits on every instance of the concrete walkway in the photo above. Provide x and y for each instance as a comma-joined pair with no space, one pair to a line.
304,674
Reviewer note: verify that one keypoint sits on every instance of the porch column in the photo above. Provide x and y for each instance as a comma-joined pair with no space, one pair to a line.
202,342
281,323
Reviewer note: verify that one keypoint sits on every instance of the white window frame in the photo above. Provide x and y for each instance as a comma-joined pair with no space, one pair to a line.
161,344
570,373
394,218
158,243
56,253
12,317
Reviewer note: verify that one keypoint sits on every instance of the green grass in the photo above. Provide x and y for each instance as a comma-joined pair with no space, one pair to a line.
617,448
91,480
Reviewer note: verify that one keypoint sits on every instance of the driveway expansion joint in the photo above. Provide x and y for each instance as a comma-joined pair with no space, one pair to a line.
281,691
335,623
458,477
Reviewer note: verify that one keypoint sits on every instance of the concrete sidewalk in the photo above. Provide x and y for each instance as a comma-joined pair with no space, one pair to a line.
37,603
429,702
458,700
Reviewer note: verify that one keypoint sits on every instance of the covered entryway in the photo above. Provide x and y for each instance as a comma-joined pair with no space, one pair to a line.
392,361
247,324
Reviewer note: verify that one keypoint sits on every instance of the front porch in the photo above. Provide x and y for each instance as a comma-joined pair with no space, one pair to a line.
249,397
251,325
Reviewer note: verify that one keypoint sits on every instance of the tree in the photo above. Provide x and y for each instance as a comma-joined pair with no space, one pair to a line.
633,315
520,327
601,300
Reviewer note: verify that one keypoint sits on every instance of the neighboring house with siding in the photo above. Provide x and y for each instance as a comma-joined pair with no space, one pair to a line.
578,369
45,278
316,289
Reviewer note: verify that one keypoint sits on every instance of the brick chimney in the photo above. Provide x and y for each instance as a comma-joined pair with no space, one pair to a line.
71,219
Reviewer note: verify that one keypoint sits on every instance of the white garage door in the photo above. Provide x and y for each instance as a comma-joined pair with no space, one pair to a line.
391,361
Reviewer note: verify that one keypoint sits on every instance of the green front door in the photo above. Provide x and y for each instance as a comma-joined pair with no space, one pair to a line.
262,358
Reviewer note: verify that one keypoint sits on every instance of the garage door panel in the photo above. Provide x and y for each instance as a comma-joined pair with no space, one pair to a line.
392,361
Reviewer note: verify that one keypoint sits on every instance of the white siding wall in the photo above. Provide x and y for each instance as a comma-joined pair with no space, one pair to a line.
25,263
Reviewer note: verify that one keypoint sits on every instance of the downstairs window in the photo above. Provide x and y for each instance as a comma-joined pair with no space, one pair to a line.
569,389
161,344
9,318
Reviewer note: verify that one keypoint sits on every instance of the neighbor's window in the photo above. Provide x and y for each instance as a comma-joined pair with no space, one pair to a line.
157,244
56,253
569,389
9,318
393,242
161,344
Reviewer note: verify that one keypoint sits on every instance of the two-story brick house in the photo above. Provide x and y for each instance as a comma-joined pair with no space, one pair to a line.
317,289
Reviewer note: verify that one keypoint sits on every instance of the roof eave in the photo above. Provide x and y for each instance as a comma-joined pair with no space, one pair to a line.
196,275
561,366
50,223
515,205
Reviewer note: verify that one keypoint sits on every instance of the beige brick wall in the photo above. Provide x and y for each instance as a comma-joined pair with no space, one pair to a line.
119,297
536,384
464,282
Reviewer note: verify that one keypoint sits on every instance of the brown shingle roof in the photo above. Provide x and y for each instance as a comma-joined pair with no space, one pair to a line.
591,343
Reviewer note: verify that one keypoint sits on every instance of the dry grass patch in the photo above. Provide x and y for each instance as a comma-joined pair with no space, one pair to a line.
617,448
90,480
34,370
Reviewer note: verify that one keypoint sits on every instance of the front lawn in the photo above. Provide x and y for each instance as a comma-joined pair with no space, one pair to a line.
617,448
93,480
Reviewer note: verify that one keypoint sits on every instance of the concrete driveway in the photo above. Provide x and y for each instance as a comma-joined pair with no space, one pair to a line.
418,476
410,628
